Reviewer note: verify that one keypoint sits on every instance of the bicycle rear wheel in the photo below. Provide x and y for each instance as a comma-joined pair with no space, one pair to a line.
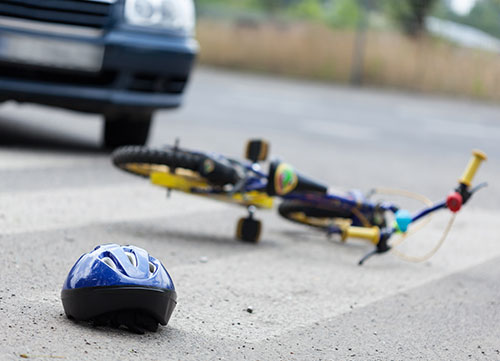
143,161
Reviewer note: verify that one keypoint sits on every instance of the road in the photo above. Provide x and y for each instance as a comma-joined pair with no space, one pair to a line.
60,196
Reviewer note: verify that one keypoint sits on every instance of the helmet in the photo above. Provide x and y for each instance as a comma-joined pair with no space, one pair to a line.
119,286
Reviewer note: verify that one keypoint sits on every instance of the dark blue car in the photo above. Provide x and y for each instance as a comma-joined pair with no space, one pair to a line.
120,58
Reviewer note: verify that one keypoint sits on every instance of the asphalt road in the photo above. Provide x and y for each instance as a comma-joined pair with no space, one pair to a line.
60,196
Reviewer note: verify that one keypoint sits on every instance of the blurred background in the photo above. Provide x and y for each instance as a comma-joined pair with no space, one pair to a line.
439,46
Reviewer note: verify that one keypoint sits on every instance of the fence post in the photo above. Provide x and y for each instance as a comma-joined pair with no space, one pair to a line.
358,56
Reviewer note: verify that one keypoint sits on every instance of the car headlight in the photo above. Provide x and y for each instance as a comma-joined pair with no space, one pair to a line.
168,14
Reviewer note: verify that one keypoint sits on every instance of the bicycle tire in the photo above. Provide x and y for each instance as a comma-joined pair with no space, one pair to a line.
142,161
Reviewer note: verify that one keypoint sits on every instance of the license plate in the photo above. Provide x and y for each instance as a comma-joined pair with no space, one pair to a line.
48,52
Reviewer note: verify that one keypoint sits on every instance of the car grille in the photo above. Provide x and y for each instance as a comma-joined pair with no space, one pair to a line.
93,14
10,71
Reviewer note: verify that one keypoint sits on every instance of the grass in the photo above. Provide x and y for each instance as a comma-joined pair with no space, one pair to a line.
319,52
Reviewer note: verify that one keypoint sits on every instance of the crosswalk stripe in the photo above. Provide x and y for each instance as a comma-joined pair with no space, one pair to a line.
66,208
27,160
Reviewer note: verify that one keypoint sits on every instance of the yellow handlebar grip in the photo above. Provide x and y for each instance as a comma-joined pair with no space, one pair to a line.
477,157
372,234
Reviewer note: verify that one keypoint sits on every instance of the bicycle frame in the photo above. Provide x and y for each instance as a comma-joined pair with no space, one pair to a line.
347,203
253,191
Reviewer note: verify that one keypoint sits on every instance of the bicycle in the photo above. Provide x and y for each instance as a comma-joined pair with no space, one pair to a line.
305,201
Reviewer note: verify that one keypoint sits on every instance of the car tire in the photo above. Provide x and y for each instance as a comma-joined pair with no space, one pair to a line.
126,129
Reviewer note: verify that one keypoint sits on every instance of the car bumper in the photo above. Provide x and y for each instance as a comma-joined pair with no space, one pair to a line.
140,71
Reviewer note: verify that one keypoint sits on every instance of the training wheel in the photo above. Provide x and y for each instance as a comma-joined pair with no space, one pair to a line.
257,150
249,230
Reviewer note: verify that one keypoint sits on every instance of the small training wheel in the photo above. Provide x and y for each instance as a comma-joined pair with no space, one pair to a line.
257,150
249,230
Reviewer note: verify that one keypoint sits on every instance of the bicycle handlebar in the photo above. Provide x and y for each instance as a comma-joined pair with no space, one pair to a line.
454,202
371,234
474,163
462,193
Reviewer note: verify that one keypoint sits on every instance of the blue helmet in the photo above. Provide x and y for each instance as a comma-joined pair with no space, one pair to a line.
120,286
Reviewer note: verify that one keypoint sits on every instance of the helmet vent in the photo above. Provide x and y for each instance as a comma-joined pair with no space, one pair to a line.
131,258
109,262
152,267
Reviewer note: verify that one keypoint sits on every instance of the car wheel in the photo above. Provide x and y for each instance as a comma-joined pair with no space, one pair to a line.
126,129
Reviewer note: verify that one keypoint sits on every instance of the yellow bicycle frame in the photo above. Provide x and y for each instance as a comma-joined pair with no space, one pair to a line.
186,184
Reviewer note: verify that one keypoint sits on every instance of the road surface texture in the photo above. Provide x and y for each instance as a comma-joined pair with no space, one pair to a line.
60,196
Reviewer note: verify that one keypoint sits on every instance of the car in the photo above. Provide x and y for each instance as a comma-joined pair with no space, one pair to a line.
123,59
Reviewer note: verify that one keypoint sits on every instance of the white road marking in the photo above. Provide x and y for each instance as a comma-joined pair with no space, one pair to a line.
340,130
22,212
24,160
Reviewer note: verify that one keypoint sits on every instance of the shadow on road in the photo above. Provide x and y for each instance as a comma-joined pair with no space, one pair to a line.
139,230
17,134
92,328
160,231
314,236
